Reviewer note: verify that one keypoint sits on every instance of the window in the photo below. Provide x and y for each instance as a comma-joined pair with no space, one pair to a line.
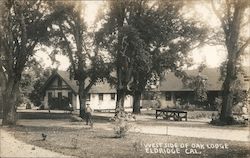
60,95
100,96
88,97
59,82
70,96
168,96
112,95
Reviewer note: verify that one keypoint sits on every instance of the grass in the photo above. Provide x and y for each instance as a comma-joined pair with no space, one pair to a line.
97,143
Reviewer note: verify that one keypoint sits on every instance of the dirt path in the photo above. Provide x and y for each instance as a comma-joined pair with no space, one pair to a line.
209,133
11,147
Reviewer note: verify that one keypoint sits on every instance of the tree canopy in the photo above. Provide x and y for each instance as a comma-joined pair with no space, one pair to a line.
145,39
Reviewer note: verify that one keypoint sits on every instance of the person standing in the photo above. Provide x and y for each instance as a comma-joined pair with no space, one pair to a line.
70,107
88,113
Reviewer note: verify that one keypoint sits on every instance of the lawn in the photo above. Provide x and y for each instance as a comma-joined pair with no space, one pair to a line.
86,142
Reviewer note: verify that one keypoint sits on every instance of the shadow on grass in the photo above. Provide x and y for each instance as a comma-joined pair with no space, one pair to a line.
42,115
69,147
47,115
101,119
107,137
30,128
39,140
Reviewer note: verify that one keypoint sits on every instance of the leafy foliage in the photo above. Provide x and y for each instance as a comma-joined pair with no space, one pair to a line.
145,39
199,85
36,93
121,125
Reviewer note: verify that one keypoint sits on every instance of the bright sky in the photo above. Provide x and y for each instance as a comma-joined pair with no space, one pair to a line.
91,11
211,55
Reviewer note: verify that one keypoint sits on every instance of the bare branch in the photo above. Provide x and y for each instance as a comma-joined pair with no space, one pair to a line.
243,47
246,23
217,13
92,82
70,54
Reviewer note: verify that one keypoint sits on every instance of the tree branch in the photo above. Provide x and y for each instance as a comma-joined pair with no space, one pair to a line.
92,82
223,24
70,53
243,47
2,72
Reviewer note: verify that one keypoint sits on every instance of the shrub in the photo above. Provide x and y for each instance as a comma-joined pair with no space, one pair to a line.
138,146
122,123
189,107
25,101
238,120
147,104
218,104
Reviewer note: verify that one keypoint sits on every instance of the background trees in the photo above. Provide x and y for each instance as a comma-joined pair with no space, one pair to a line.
233,23
145,39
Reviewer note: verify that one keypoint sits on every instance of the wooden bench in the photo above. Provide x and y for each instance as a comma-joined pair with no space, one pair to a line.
177,115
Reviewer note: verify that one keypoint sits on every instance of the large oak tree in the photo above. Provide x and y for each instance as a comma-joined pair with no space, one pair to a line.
23,26
146,38
71,38
234,23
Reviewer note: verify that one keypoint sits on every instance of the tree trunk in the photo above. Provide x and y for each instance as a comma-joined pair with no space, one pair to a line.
120,101
10,101
227,94
136,102
2,87
1,99
82,98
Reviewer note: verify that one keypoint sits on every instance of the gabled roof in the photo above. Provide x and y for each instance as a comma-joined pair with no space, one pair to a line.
173,83
65,76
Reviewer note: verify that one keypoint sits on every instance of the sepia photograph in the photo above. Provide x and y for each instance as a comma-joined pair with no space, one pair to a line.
124,78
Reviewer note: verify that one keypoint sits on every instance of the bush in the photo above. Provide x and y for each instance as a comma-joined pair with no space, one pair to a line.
189,107
239,120
202,114
122,123
218,103
147,104
25,101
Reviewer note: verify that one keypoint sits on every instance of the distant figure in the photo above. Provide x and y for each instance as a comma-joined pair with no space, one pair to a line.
88,114
70,107
49,108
